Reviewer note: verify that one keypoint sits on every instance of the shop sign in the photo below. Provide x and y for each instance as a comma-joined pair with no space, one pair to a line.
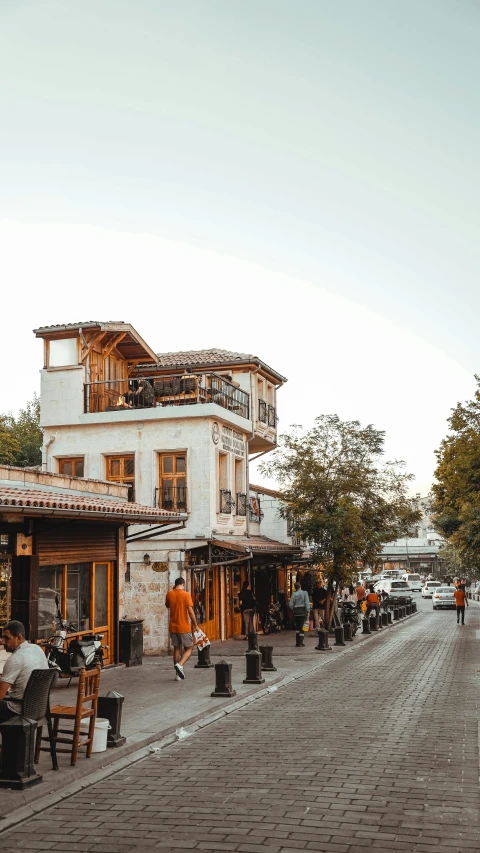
160,567
233,441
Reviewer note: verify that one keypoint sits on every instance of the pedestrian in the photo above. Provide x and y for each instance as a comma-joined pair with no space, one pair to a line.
460,600
360,591
349,594
182,624
300,605
24,658
319,597
247,608
373,601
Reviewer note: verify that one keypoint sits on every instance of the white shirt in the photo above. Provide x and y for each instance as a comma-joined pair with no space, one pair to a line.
17,671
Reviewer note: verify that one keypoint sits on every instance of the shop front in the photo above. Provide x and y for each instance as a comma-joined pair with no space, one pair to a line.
66,553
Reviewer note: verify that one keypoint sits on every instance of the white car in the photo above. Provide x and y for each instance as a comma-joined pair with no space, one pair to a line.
429,588
414,581
394,588
444,597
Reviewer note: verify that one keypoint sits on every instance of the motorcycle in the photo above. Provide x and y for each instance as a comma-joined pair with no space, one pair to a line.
350,616
273,619
69,658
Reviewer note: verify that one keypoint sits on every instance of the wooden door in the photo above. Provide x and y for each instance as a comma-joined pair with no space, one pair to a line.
234,577
206,601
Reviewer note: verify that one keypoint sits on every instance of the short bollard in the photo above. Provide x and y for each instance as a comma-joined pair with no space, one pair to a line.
414,606
379,620
300,639
366,626
396,614
323,641
18,750
252,637
223,679
339,638
403,612
373,623
390,617
204,661
267,654
110,707
347,631
254,668
384,620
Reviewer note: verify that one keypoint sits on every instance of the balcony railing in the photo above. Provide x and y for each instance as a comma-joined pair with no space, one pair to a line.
272,416
241,504
171,498
262,411
148,392
255,511
226,502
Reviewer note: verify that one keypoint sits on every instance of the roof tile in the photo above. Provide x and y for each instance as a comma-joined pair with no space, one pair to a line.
24,498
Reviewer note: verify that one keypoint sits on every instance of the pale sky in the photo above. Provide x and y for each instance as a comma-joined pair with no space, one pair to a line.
294,179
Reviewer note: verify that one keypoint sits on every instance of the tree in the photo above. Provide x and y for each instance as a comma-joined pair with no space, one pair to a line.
340,496
21,438
456,493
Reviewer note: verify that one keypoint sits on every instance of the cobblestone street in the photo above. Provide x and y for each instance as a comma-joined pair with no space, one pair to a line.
378,749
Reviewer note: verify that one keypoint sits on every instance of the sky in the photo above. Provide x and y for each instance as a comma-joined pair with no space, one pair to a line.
298,180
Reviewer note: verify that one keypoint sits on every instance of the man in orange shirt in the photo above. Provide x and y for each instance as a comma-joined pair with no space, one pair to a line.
182,623
460,599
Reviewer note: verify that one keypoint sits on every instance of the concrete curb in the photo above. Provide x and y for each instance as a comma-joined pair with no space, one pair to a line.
153,744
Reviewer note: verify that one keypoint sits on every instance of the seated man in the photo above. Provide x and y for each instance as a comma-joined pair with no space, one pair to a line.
16,672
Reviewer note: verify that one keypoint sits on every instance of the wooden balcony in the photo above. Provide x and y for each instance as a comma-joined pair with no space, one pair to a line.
153,391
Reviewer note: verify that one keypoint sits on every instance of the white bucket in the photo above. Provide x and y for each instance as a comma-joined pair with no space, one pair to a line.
100,735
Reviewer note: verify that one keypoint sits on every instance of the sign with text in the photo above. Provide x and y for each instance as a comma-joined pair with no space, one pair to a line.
232,441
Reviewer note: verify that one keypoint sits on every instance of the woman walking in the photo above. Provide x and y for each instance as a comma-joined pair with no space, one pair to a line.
300,605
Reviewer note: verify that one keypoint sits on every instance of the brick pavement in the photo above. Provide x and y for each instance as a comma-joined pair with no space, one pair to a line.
376,749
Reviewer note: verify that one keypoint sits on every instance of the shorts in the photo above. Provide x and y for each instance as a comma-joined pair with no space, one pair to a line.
184,640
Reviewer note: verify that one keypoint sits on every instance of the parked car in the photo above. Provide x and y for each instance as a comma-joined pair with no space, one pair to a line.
430,588
394,588
443,597
414,581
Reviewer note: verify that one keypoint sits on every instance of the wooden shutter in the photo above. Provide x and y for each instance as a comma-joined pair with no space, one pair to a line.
77,543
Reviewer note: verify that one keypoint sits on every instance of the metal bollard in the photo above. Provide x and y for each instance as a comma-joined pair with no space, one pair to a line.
414,606
223,679
204,661
373,623
384,620
110,706
323,641
366,626
267,654
254,668
396,614
339,638
390,617
252,641
300,638
18,750
347,631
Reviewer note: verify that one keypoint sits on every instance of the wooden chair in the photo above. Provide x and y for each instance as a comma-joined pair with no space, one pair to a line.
36,706
86,708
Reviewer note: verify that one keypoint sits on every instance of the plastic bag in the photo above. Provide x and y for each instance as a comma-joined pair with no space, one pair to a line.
306,626
364,606
201,639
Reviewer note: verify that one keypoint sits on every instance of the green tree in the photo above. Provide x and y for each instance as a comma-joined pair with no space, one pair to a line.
21,438
456,493
340,495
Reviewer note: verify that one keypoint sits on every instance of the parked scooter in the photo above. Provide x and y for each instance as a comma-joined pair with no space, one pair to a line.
69,658
273,620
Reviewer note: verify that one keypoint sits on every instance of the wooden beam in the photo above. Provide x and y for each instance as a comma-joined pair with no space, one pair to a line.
132,365
96,338
106,352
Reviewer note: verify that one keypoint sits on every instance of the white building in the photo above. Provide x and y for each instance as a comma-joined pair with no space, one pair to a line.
419,552
181,441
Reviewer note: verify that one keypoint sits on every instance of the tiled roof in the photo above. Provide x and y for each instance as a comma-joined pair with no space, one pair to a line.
82,324
33,499
202,356
263,490
257,544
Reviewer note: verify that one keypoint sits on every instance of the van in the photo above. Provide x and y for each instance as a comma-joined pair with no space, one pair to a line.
415,582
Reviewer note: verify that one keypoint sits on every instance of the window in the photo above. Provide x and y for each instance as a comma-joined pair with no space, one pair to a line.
62,353
82,593
241,498
72,467
173,481
223,471
121,469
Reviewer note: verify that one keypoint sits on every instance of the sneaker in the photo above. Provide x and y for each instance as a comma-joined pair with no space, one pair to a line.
177,677
179,671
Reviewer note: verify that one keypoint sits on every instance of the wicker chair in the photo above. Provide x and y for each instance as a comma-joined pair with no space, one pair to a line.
36,706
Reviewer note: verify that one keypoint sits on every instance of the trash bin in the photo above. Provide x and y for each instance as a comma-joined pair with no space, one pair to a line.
131,641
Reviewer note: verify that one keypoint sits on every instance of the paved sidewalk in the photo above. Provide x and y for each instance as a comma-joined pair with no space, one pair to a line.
379,752
156,706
